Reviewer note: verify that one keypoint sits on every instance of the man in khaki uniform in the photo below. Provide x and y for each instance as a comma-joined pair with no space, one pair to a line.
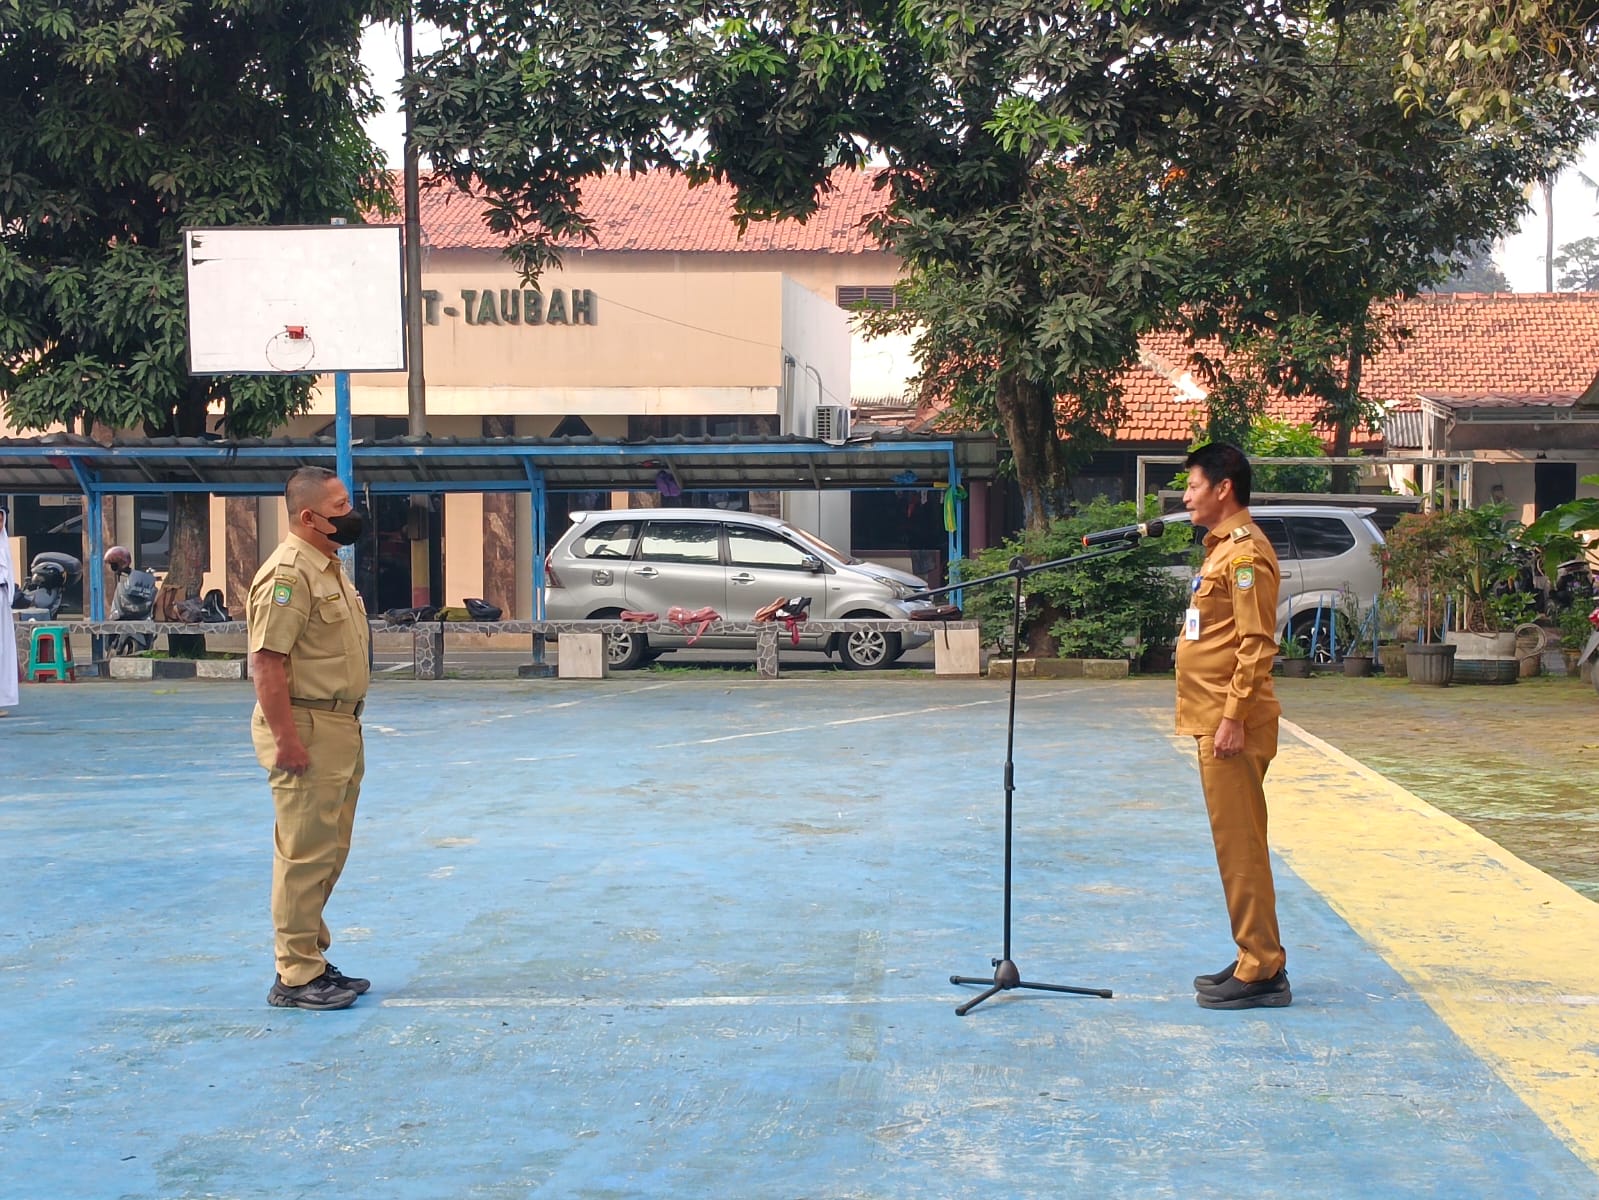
310,658
1226,701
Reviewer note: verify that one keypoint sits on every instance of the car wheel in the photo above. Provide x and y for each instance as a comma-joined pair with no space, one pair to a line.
1305,631
623,651
868,649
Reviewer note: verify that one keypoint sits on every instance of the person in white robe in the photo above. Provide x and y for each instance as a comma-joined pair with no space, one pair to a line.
8,640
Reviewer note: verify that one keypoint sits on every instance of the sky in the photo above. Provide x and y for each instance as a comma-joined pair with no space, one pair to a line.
1520,255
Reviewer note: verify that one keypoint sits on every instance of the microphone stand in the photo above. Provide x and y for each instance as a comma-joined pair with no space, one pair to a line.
1006,974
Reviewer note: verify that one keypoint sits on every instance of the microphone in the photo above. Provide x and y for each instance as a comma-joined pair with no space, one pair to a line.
1127,533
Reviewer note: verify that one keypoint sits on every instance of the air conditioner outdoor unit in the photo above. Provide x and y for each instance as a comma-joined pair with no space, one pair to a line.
831,424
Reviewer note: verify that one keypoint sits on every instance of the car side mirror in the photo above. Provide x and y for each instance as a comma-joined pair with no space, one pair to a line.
812,564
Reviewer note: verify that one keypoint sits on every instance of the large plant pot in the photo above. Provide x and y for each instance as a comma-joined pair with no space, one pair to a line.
1391,658
1296,668
1357,666
1430,665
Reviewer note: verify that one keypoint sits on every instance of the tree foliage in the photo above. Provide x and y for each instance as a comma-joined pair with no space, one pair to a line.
1496,60
982,112
1348,203
127,121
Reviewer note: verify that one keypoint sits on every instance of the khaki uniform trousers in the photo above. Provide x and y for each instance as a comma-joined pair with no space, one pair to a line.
1235,797
311,840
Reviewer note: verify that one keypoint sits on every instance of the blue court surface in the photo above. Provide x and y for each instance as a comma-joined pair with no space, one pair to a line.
673,937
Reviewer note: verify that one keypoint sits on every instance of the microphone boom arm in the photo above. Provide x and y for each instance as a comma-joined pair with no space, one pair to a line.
1020,568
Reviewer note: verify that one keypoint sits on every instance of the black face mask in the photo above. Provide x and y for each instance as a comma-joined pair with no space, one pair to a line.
347,527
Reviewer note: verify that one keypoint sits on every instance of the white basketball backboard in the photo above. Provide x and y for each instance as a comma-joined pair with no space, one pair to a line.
273,300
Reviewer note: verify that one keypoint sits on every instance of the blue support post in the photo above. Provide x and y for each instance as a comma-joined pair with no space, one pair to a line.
538,493
343,465
957,536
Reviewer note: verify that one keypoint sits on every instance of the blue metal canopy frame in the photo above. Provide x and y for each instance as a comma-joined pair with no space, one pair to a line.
63,464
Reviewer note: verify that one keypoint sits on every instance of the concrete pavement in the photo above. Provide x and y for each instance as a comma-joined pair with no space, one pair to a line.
682,937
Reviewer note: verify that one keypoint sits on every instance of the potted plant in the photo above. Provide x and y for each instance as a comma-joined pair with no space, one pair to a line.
1481,553
1390,633
1354,634
1418,567
1575,631
1295,658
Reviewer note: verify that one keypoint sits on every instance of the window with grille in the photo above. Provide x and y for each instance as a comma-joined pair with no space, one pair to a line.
869,296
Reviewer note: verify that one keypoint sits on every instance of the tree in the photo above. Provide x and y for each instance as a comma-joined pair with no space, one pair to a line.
1578,264
984,113
1479,273
1350,202
128,120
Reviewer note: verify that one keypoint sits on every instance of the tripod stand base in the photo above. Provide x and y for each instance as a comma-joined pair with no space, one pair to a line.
1007,976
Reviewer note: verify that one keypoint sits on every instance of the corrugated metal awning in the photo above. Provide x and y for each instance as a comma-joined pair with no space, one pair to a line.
67,464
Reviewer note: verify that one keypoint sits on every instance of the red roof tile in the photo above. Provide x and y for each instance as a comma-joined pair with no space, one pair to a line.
658,211
1522,345
1473,349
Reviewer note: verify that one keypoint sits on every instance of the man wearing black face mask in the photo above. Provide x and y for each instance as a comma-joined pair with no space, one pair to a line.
309,656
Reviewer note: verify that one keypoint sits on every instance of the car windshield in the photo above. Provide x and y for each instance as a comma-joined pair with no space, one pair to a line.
816,543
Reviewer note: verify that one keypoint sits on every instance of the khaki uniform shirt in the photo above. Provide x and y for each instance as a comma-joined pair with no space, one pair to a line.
1226,671
303,605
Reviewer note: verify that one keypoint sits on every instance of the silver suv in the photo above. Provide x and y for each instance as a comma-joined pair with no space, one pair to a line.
1322,549
651,560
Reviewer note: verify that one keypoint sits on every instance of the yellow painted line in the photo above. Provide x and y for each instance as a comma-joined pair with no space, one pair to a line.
1507,956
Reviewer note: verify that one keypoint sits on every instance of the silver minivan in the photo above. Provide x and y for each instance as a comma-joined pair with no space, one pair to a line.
652,560
1322,549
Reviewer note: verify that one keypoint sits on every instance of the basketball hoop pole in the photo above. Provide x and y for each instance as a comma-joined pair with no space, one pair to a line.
341,449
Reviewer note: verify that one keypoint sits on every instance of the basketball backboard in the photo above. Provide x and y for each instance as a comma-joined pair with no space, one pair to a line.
288,299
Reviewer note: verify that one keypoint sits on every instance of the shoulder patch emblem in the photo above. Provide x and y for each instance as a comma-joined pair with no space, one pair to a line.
282,593
1240,534
1244,577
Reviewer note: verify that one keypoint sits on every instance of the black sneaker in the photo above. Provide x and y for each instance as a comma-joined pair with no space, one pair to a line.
320,993
1235,993
1206,982
349,983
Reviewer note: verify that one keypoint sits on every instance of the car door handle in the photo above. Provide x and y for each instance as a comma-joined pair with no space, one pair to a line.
741,577
646,572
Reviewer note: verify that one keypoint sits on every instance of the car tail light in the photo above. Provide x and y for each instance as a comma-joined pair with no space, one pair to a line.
551,579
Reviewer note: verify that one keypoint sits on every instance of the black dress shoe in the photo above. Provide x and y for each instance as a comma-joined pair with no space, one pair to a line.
1235,993
1206,982
349,983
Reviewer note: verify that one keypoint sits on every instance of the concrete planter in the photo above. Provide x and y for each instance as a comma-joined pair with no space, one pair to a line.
1483,645
1060,668
1295,668
1357,666
177,668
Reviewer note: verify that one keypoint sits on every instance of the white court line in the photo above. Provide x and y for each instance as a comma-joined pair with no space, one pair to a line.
836,999
913,712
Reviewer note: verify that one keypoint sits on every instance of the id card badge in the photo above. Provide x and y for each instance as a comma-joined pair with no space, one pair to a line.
1191,625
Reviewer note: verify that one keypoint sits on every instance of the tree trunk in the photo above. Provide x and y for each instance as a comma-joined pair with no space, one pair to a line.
189,523
1027,412
1344,478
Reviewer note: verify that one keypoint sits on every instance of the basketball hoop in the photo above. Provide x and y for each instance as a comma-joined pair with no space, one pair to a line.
290,351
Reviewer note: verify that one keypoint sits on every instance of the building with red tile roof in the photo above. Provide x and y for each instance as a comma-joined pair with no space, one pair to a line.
659,212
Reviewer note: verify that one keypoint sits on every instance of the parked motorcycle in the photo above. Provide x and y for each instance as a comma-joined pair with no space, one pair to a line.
50,574
134,600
